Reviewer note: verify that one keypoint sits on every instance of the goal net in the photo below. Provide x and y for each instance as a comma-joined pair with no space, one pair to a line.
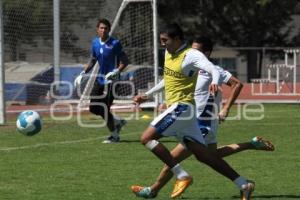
28,47
133,26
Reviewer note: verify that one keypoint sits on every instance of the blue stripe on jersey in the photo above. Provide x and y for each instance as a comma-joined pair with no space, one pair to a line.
207,114
191,73
170,118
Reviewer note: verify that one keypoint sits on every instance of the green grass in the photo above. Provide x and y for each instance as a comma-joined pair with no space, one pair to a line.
67,162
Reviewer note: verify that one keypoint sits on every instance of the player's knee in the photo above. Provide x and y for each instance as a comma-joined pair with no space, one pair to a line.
200,151
202,158
166,168
93,109
97,110
143,139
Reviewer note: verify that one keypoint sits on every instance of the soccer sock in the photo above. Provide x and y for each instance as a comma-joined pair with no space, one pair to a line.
116,121
179,172
117,118
240,181
114,133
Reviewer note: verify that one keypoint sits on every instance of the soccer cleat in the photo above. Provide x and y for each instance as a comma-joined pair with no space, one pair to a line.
260,144
120,124
144,192
111,139
180,186
247,190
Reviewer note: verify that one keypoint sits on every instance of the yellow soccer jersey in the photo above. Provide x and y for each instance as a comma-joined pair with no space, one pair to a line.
178,86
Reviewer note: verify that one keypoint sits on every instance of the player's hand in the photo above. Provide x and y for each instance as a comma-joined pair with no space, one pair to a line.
223,114
140,98
213,89
112,75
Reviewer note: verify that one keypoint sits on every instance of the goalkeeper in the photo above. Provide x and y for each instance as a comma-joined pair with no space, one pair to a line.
112,60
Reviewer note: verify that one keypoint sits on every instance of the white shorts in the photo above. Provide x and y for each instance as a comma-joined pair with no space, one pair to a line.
179,120
208,122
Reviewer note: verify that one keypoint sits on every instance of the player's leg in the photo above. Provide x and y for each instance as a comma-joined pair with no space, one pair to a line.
98,105
166,124
109,98
150,139
218,164
96,95
204,155
179,153
196,144
114,123
257,143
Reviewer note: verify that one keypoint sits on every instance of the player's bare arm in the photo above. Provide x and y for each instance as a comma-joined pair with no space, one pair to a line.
141,98
124,61
144,97
90,64
235,89
213,89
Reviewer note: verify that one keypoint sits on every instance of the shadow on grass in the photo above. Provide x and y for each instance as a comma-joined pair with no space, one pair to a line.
275,196
138,141
279,196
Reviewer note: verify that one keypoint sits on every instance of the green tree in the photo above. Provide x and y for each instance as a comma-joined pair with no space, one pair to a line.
247,23
27,22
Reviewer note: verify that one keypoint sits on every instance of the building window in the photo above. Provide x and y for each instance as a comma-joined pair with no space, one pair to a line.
228,64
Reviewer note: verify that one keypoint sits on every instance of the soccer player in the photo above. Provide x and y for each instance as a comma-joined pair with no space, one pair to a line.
182,64
207,105
112,60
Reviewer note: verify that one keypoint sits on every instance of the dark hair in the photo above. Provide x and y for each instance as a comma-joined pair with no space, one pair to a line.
173,30
104,21
207,44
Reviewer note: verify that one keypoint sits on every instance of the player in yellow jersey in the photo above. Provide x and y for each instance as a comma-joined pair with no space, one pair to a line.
207,109
180,74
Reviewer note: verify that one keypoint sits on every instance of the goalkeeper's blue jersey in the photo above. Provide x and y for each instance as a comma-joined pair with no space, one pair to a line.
107,54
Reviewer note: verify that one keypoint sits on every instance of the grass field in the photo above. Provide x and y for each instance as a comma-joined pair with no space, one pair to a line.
67,162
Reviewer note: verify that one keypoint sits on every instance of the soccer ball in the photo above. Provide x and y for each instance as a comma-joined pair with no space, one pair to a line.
29,123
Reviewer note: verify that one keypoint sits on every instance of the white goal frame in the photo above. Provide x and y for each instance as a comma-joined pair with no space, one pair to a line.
153,4
2,71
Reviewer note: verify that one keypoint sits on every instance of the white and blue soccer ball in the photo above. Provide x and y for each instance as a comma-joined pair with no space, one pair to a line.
29,122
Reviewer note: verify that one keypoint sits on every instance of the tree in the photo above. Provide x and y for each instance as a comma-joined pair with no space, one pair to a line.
247,23
28,22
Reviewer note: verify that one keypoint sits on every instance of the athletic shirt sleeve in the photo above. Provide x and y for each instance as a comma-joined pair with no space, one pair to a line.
194,61
224,75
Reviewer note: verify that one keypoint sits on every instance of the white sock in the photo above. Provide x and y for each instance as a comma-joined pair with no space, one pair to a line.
179,172
240,181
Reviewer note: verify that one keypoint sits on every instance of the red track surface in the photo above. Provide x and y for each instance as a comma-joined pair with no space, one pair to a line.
246,95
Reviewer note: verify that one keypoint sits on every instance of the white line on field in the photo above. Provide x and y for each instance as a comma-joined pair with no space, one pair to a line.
58,143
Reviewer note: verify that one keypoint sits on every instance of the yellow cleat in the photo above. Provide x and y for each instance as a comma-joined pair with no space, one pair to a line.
180,186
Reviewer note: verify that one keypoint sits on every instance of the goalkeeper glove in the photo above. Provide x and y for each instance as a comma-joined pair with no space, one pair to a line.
112,75
78,79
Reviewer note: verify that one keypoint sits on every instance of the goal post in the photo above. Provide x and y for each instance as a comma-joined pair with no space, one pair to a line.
28,58
135,25
2,71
